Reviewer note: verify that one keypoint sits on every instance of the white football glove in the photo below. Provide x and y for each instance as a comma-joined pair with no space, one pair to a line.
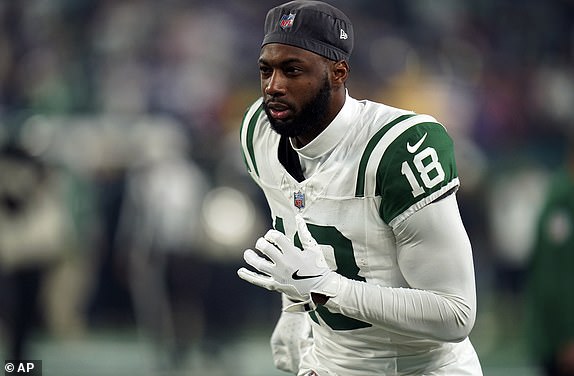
288,269
292,337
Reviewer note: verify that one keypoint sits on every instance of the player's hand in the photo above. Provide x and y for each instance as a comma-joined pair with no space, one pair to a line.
290,339
287,268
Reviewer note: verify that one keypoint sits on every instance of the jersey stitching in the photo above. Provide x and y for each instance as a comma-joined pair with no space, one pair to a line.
454,183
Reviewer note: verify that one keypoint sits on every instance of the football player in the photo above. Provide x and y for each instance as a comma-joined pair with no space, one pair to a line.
368,248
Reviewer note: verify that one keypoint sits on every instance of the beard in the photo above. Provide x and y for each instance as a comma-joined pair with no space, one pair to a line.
311,116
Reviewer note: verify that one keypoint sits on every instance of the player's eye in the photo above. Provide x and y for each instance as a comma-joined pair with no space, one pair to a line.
264,70
293,70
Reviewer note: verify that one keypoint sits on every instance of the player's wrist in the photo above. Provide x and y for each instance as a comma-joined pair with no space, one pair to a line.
319,299
328,286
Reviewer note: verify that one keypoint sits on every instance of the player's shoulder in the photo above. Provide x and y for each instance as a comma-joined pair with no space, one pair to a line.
256,136
252,115
411,132
408,160
252,131
386,123
377,115
385,117
393,130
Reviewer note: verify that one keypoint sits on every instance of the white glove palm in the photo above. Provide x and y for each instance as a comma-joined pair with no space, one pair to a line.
291,339
288,269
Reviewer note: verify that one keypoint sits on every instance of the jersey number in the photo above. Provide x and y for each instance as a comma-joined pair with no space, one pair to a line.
346,266
429,169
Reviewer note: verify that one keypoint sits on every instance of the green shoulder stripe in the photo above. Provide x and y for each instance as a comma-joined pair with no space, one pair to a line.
360,186
249,138
241,139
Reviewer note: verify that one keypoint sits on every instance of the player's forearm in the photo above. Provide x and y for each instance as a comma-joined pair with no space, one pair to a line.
412,312
435,258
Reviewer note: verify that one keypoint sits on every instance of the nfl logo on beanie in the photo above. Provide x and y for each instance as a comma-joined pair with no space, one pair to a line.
287,20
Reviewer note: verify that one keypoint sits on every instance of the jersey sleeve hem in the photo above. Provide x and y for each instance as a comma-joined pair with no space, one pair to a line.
424,202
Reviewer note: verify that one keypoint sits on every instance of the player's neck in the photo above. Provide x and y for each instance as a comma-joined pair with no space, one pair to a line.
337,103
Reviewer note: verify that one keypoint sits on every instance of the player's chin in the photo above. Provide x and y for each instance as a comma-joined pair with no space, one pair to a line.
284,127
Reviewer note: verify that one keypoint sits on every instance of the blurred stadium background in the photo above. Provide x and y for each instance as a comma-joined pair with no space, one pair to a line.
126,261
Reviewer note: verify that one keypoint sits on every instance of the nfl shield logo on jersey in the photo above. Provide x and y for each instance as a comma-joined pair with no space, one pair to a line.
299,200
286,20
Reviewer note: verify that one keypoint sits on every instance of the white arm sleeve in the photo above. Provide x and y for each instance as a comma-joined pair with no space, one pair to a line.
435,257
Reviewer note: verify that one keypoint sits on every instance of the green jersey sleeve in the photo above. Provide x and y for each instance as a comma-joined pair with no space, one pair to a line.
417,167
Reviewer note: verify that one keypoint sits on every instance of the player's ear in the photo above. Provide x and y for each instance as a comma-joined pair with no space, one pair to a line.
340,70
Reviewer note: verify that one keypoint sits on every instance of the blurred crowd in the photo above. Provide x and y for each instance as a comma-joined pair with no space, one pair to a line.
123,195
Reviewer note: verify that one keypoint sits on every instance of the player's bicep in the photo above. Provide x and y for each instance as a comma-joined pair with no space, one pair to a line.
434,251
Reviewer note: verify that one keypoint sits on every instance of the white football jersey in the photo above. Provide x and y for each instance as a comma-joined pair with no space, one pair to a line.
387,163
